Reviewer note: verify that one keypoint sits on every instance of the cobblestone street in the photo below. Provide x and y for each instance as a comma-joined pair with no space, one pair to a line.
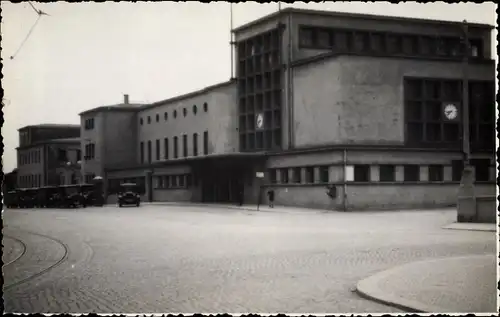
199,259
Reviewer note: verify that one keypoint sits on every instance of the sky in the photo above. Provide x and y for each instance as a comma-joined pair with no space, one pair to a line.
85,55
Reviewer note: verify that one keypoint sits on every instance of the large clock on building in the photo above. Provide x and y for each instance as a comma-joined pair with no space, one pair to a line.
259,121
450,111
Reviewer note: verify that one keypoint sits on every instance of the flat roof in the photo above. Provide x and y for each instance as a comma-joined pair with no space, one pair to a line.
117,107
353,15
50,125
51,141
189,94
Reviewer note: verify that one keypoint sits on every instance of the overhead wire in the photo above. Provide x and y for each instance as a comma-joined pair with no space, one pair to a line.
40,13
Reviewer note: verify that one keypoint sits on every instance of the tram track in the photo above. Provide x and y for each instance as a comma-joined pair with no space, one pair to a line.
20,255
44,271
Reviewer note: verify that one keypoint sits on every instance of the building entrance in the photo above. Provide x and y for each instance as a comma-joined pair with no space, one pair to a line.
222,185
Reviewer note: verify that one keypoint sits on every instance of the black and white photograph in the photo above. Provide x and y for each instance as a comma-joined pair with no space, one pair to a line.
311,158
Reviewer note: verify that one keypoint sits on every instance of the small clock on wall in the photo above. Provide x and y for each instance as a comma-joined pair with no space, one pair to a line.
450,111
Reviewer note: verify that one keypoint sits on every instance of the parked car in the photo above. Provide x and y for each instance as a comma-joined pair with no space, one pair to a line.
129,195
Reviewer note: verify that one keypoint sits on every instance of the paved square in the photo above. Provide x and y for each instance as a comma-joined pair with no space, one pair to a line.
197,259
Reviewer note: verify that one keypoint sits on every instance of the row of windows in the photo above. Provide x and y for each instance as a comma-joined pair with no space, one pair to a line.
175,146
30,157
89,124
174,181
282,175
260,44
30,181
89,151
114,184
387,43
165,114
387,173
426,122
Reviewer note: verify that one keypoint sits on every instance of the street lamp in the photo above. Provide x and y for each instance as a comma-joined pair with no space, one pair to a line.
466,205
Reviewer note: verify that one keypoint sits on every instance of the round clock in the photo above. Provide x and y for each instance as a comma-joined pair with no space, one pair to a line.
260,121
450,111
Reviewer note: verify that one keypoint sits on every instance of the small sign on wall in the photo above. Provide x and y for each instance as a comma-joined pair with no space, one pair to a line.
260,174
349,173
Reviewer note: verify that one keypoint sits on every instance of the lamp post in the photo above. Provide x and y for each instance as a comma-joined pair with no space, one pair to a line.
466,205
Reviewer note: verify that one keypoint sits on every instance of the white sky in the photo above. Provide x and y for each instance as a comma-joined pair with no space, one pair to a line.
87,55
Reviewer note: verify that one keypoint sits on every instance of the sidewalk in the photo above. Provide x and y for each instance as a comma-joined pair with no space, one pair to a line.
450,285
492,227
262,208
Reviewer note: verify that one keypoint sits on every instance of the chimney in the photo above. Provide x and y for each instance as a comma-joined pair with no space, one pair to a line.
125,99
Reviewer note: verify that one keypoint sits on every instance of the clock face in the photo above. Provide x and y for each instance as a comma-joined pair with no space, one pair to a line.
450,111
260,121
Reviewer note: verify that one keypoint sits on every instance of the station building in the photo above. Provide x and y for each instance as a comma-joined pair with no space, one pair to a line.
368,105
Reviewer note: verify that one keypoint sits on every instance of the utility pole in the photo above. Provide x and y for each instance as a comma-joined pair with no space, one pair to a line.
466,204
465,97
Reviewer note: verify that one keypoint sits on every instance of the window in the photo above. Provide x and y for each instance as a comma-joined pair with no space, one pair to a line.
175,114
181,180
165,116
361,173
435,173
185,112
157,118
195,144
149,152
174,181
324,38
205,143
176,147
141,122
78,155
482,169
205,107
306,37
457,167
158,149
89,124
387,173
361,41
149,119
297,177
272,176
62,155
142,152
189,180
411,173
185,145
324,174
165,145
284,175
89,151
159,182
310,175
195,109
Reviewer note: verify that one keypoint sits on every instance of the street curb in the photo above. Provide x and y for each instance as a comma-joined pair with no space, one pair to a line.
368,288
484,227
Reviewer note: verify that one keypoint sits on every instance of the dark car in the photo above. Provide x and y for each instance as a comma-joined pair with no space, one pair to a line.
129,195
11,199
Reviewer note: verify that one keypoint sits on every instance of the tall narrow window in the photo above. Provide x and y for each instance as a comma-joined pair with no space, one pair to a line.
165,145
205,143
297,175
158,149
284,175
324,174
195,144
412,173
436,173
185,145
176,147
310,175
142,152
149,152
272,176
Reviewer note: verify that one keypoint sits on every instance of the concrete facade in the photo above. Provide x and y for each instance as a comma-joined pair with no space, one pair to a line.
342,113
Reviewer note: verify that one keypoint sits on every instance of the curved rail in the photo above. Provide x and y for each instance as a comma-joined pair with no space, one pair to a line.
33,276
22,253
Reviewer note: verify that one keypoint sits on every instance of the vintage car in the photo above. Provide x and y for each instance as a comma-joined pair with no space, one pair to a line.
11,199
45,197
128,194
27,197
